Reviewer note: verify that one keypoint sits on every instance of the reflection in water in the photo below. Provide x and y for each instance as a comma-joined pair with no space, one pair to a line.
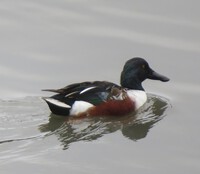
134,126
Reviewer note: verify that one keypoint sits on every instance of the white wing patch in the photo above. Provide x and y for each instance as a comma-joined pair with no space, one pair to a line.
57,103
72,93
87,89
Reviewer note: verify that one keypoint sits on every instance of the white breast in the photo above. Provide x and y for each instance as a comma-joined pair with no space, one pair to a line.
137,96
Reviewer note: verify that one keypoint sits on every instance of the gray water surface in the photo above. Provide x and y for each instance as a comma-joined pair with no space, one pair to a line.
50,44
35,135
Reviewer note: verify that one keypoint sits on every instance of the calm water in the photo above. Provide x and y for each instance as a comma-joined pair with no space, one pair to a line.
49,44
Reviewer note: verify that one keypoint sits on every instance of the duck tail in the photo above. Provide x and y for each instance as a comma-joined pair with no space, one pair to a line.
51,90
56,106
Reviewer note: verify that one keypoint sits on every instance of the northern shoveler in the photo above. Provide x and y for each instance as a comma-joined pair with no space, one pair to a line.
105,98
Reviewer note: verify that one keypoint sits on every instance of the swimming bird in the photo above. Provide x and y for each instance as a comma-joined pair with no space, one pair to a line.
102,98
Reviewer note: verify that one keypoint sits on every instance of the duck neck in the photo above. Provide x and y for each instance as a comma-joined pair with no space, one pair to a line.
132,83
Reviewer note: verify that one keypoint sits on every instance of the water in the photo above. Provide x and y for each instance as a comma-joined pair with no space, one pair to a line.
49,44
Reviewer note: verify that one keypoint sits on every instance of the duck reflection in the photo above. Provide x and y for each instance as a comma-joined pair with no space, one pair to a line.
134,126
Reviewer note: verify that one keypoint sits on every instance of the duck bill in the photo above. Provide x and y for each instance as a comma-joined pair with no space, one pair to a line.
156,76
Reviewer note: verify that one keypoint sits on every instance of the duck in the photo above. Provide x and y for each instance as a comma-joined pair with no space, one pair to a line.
103,98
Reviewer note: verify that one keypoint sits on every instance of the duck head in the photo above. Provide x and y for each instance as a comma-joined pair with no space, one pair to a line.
135,71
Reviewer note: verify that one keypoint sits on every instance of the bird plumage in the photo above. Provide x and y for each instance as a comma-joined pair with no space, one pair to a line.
102,97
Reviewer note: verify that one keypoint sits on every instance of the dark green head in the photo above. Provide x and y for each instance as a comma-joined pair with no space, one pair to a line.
135,71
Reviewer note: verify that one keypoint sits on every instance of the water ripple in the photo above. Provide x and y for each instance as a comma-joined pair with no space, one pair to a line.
27,132
134,126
